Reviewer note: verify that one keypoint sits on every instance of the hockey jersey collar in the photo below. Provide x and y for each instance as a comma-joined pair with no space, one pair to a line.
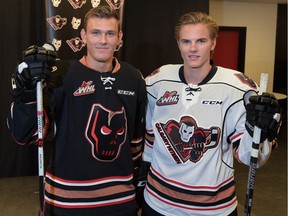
116,65
211,73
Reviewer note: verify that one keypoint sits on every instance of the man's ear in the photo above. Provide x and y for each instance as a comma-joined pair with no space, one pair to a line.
120,36
213,44
83,35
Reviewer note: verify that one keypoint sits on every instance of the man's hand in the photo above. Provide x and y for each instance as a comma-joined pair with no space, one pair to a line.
263,111
36,64
140,180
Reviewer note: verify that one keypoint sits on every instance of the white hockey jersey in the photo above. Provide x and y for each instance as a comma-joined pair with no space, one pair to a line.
192,132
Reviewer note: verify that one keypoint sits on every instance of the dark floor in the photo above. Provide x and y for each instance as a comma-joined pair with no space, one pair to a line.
19,195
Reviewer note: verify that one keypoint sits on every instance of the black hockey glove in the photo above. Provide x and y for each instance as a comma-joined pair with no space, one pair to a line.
36,65
140,181
264,112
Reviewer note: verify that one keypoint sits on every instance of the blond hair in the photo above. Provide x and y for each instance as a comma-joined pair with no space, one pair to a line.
195,18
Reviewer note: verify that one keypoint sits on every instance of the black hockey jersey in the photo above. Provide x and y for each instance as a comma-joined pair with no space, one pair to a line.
98,121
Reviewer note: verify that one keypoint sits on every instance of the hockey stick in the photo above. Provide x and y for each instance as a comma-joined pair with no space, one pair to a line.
254,154
40,124
39,94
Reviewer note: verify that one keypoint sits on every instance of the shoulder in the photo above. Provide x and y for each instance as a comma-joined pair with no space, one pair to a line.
64,69
167,69
64,65
127,65
130,70
169,72
235,78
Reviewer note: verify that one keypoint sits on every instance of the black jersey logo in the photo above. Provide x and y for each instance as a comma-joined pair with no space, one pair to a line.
186,141
85,88
106,132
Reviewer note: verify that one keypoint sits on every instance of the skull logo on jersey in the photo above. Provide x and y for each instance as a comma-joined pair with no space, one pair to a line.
106,132
186,141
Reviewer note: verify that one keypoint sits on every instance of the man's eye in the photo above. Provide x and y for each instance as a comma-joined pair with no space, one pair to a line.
201,41
111,33
96,33
185,41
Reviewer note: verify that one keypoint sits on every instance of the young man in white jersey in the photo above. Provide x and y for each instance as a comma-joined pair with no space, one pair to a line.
195,123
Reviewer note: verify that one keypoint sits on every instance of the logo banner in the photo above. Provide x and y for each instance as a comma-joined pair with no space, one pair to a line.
64,20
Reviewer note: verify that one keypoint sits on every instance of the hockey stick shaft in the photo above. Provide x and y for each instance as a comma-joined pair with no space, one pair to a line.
254,154
39,94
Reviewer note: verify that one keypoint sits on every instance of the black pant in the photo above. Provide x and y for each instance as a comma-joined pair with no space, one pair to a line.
148,211
82,212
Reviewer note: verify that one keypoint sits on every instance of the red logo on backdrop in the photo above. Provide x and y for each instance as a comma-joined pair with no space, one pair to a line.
77,3
115,4
76,44
57,22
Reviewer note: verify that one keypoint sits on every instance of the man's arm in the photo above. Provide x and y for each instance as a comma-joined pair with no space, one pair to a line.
35,65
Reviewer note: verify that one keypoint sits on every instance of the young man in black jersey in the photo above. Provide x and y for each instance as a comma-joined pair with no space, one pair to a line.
95,107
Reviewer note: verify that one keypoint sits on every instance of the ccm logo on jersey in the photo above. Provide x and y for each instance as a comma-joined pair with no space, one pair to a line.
125,92
211,102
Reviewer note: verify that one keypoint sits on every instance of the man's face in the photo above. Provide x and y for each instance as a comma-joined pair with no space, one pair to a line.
195,45
101,37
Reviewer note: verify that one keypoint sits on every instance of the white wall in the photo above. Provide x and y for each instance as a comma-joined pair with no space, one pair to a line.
260,20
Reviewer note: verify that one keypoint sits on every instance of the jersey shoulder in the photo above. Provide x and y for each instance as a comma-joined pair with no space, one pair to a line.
235,78
166,72
131,70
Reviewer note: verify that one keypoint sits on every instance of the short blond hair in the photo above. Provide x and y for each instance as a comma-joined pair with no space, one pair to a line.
195,18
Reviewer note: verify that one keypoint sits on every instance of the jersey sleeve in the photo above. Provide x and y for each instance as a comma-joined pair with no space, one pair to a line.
149,134
242,141
22,123
245,147
22,119
138,136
